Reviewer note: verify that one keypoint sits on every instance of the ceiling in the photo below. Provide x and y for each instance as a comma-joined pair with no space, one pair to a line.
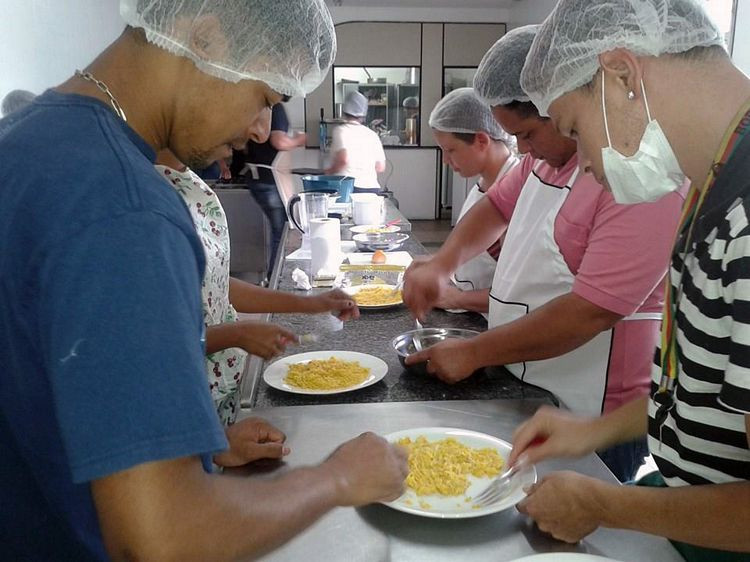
426,3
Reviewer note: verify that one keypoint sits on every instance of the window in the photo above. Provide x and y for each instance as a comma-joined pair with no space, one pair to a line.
393,100
723,12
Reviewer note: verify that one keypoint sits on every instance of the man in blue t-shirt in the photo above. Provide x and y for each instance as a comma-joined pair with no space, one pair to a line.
106,423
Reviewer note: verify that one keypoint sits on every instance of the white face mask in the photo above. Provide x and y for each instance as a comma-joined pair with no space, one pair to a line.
651,173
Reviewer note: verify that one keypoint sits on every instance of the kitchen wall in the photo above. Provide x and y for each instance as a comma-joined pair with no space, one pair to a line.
741,52
44,41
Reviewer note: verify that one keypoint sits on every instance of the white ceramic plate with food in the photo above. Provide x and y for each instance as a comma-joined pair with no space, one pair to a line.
378,296
276,373
391,258
564,557
461,506
374,228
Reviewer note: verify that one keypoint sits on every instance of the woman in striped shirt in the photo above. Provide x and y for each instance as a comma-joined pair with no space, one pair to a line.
652,97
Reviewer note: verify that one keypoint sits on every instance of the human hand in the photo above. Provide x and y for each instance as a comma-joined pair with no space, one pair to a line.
338,303
451,360
263,339
566,505
368,469
552,433
252,439
450,299
424,284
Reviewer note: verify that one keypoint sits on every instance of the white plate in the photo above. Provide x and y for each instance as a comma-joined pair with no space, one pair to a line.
564,557
276,372
357,288
391,258
456,507
365,228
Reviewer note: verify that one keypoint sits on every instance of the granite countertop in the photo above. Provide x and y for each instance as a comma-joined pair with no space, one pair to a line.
372,334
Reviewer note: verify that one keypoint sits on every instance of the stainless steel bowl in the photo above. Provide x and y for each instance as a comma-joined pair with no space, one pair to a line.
403,345
385,241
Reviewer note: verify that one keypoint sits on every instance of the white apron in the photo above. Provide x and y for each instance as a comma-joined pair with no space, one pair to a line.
478,272
531,271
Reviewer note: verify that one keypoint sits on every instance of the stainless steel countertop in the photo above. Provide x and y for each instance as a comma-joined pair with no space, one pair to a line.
378,533
372,334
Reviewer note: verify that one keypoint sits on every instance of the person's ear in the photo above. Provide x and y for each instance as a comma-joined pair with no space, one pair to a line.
626,70
206,39
482,140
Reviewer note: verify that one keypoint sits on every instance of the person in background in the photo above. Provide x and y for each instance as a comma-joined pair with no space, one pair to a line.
356,149
473,144
576,299
229,340
107,428
15,100
218,171
260,180
650,93
411,119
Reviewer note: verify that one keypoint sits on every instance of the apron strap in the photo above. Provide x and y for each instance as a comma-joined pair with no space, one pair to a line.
645,316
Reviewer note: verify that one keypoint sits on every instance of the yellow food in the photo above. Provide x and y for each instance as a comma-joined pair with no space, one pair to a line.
379,257
377,230
326,374
378,296
442,467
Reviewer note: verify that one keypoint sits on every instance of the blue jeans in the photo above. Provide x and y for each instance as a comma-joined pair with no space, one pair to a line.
625,459
268,199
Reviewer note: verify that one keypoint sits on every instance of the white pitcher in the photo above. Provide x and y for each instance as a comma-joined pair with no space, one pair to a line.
368,208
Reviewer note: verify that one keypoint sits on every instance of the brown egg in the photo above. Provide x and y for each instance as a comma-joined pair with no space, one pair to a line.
378,257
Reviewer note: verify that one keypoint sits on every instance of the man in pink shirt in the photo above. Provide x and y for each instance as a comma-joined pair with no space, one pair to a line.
576,299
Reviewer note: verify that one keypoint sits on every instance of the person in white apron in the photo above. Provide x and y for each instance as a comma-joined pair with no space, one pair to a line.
541,327
473,144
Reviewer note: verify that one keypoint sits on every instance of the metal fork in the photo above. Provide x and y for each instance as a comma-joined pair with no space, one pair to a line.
499,487
415,339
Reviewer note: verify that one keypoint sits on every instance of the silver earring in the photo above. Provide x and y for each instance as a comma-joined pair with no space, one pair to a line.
631,95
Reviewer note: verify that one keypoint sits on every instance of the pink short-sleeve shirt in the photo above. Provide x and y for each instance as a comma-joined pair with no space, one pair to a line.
619,256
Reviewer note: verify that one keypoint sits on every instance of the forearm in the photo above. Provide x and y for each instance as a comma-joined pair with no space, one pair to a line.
197,516
262,515
476,301
246,297
475,232
626,423
280,140
560,326
221,336
712,516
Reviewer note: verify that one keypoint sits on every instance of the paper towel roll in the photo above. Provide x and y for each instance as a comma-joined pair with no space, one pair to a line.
325,247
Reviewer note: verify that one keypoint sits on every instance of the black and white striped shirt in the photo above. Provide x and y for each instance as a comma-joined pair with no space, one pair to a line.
704,437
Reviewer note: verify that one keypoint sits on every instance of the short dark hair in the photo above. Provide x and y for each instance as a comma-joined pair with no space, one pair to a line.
703,53
524,109
468,138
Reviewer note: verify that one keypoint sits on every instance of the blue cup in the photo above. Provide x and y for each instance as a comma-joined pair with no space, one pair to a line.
344,185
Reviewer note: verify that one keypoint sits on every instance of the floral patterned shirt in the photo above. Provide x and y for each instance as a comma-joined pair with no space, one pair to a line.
226,367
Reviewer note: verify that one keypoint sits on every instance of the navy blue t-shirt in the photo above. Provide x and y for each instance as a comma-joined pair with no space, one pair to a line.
265,153
100,322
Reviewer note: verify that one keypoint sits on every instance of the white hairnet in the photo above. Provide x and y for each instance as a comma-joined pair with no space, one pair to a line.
15,100
355,104
498,78
412,102
288,44
565,53
460,111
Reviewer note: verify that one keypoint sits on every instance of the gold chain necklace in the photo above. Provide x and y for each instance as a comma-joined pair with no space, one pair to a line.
104,88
